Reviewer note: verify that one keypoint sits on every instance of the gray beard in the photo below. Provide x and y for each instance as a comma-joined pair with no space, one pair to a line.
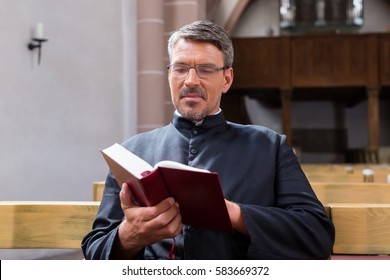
192,115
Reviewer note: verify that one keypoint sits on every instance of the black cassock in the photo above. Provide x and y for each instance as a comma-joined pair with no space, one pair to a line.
258,171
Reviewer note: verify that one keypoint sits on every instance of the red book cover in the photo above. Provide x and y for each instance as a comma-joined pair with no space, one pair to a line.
197,191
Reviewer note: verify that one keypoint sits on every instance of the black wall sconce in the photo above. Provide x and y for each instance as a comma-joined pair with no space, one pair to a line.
37,40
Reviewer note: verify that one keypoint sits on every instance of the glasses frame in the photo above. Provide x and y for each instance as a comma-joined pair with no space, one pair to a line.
214,67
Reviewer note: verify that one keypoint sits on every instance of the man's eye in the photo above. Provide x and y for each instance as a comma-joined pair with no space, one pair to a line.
180,70
205,70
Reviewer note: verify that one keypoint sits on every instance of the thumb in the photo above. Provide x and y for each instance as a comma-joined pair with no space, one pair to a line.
126,197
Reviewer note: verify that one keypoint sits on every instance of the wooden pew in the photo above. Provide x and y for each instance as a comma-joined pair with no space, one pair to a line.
360,212
333,192
361,216
45,224
333,177
344,168
346,172
361,228
98,188
377,177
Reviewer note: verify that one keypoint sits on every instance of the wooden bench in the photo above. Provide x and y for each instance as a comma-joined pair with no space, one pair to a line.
360,212
361,215
344,168
45,224
333,192
98,188
377,177
361,228
346,173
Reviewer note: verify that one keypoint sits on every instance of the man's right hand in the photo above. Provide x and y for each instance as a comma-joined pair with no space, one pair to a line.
143,226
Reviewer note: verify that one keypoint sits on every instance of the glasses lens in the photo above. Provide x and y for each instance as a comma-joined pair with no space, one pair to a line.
179,70
205,70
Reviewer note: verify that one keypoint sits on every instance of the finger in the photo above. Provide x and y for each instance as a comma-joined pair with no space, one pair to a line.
167,207
176,226
165,219
165,204
156,210
126,197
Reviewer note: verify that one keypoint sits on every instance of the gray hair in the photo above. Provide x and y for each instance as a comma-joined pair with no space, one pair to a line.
205,31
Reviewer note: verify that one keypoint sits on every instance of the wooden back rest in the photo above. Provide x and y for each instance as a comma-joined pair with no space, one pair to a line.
98,189
345,172
378,177
344,168
333,192
45,224
361,228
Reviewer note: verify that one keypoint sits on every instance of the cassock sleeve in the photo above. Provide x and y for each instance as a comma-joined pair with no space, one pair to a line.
297,227
98,243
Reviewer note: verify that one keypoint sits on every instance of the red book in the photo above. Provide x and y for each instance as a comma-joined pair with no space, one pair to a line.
197,191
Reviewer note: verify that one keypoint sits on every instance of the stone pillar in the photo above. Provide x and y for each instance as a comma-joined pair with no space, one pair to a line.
157,19
151,59
178,13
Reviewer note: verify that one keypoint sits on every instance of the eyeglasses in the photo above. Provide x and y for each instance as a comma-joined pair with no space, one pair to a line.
202,70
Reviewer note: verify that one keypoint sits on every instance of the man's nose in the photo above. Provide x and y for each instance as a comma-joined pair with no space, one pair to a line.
192,77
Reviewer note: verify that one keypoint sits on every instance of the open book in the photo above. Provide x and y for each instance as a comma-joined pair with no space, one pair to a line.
197,191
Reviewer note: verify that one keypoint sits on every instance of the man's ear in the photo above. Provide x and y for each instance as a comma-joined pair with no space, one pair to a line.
229,75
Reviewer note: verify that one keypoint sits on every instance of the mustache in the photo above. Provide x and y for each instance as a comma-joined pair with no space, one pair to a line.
185,91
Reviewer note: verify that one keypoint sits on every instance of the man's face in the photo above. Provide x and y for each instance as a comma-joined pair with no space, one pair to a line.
195,97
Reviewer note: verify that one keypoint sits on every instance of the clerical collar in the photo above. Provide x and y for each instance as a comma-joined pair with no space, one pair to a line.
198,123
208,122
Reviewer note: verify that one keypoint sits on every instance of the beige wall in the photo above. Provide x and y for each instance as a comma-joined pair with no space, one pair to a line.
55,116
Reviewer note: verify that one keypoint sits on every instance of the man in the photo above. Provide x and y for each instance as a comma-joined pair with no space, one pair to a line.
273,210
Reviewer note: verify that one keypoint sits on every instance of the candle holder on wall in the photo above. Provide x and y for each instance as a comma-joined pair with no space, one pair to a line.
37,44
37,40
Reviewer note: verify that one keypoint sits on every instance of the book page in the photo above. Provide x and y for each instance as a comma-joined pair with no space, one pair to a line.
178,165
128,160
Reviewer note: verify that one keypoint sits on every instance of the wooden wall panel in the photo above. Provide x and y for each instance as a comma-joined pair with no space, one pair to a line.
315,61
332,61
261,63
384,59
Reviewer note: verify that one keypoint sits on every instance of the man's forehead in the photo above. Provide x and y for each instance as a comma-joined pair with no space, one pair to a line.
185,47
